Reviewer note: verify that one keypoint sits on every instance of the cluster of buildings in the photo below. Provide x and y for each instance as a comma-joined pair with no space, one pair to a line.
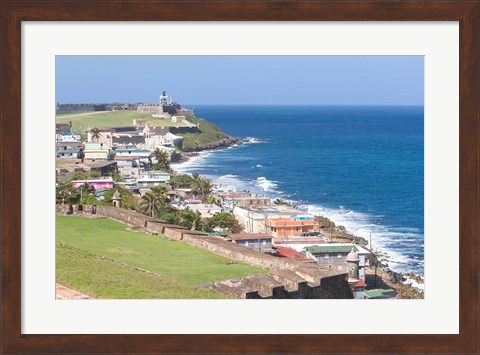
128,150
277,229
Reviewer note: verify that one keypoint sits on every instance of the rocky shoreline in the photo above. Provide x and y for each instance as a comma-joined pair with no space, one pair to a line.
221,144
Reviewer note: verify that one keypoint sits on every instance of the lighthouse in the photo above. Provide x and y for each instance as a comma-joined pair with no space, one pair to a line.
164,99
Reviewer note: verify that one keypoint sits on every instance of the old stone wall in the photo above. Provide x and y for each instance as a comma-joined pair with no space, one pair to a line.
126,216
289,278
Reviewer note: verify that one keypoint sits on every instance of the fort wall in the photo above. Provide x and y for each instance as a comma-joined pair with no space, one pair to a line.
288,278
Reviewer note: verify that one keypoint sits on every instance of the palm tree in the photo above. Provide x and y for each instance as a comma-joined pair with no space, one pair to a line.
190,219
209,200
149,203
159,190
163,159
95,132
201,186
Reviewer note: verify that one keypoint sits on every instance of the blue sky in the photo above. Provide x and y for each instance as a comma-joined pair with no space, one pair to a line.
196,80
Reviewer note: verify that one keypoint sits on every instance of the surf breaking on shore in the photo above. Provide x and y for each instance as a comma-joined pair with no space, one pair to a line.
384,239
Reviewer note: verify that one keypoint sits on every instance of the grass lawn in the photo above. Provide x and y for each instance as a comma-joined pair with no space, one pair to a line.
102,278
88,120
172,259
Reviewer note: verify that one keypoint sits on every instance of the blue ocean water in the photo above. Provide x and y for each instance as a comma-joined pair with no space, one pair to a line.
361,166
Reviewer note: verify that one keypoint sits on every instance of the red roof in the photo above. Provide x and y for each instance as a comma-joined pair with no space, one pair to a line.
361,283
292,254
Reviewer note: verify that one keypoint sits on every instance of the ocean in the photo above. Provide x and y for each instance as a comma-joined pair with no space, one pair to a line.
361,166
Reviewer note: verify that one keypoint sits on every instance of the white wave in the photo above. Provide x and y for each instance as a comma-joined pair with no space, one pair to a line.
253,140
265,184
383,239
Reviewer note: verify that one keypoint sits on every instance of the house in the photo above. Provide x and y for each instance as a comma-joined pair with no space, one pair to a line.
131,153
69,137
290,253
152,178
97,184
67,149
255,241
166,140
253,201
94,151
103,167
155,174
335,255
104,137
291,226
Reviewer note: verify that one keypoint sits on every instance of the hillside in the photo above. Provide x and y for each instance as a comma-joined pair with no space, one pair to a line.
99,256
210,136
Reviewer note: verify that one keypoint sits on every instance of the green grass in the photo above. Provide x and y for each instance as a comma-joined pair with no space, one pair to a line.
101,278
110,119
209,134
172,259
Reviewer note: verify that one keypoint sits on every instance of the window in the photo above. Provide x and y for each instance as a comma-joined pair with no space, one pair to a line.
246,243
327,256
339,256
264,242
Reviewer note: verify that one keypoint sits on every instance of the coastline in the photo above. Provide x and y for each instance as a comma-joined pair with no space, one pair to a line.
407,284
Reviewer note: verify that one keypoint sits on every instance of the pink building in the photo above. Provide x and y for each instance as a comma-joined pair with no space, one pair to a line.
97,184
105,137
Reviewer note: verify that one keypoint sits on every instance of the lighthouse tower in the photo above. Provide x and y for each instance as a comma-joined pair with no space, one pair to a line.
163,99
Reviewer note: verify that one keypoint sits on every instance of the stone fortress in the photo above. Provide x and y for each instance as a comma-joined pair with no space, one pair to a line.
165,106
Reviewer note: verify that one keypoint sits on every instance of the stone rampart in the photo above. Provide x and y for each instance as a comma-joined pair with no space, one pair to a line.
288,279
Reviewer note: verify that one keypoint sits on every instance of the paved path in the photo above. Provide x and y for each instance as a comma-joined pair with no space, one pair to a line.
65,293
83,114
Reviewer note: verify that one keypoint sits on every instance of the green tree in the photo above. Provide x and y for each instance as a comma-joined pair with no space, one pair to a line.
116,176
222,220
190,219
183,181
68,194
169,214
163,160
94,174
95,132
201,186
129,201
209,200
78,176
149,204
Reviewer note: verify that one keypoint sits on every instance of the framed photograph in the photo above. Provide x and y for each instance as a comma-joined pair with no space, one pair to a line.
349,170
